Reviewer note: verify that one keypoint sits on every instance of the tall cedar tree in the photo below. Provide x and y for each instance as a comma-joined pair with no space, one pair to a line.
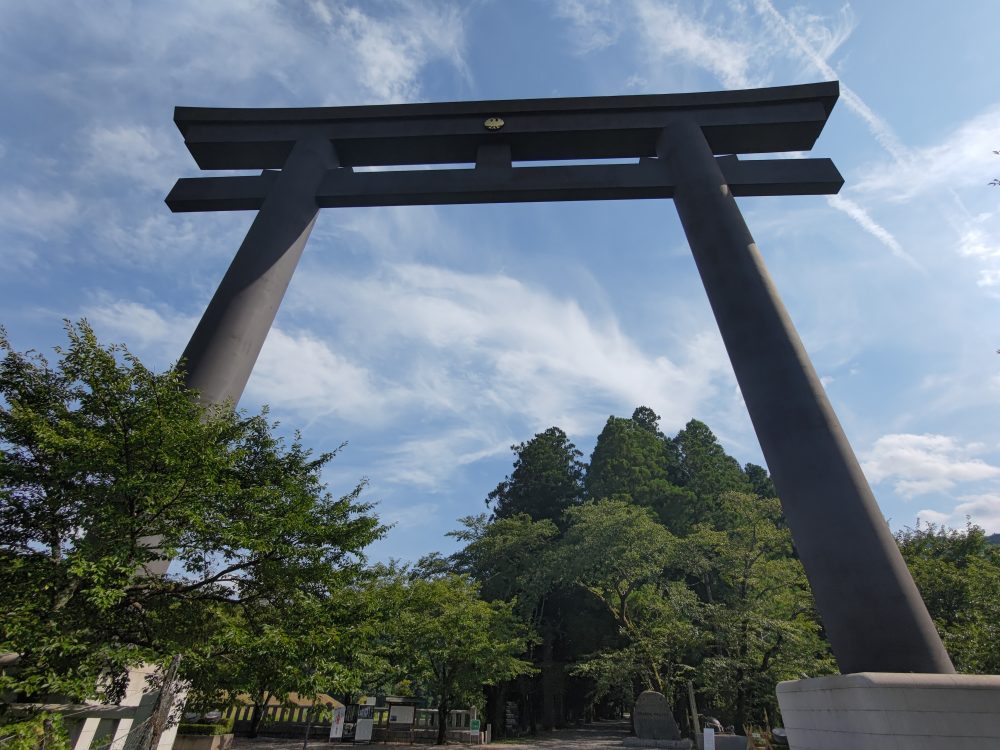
546,480
707,471
633,461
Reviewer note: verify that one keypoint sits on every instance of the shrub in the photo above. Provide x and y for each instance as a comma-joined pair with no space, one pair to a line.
43,730
210,729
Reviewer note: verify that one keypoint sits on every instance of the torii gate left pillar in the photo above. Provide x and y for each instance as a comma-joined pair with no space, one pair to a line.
870,607
225,345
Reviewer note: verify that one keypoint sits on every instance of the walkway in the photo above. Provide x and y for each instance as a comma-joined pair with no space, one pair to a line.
602,735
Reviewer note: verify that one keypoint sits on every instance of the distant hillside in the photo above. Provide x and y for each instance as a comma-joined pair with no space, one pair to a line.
993,538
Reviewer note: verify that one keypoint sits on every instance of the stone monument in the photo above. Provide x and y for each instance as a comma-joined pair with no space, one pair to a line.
654,723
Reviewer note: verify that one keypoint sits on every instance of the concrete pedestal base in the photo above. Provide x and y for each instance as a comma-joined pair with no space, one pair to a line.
682,744
887,710
203,742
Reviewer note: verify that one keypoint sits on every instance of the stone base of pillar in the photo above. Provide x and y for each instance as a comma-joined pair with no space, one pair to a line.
879,710
682,744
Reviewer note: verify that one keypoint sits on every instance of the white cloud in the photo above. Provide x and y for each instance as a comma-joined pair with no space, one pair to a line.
299,372
821,35
427,461
933,516
596,23
142,156
42,214
983,510
964,158
977,244
408,516
805,46
223,52
491,340
138,325
390,52
668,34
872,227
920,464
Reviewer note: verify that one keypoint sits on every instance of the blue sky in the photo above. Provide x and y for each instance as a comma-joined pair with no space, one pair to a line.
432,338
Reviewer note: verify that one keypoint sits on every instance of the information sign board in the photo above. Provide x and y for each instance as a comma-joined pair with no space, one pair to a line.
337,723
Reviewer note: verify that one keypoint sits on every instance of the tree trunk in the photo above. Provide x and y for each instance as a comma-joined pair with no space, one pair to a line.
548,684
443,709
259,706
496,708
529,705
741,702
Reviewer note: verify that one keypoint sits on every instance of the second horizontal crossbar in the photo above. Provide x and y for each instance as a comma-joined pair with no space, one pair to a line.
649,178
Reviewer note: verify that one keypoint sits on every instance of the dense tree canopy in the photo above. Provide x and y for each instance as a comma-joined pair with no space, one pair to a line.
546,480
958,574
105,469
451,643
673,565
632,460
658,563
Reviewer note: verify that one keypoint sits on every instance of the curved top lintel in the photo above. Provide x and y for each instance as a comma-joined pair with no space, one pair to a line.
781,118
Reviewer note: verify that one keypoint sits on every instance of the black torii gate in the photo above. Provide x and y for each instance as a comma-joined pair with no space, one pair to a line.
870,607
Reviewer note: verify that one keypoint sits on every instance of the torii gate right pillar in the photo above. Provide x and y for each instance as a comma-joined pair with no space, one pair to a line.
870,607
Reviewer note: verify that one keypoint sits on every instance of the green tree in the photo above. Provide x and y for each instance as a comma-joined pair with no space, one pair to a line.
633,461
514,560
511,560
452,642
619,553
958,574
759,609
106,468
546,480
706,470
43,731
760,482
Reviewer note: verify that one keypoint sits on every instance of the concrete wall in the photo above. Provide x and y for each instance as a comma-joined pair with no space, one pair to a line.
886,711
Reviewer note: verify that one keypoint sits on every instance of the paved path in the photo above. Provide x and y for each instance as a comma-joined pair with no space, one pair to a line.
603,735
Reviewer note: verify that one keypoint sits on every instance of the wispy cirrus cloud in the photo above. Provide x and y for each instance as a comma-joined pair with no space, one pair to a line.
428,461
596,23
876,230
490,339
740,56
809,45
667,33
389,53
35,213
481,357
960,160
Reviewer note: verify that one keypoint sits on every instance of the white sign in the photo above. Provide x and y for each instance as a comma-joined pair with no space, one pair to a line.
366,722
337,723
709,738
401,715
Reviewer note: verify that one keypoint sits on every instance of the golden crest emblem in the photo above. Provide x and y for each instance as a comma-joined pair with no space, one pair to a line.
493,123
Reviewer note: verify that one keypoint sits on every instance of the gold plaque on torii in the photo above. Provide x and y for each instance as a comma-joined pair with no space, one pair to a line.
493,123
